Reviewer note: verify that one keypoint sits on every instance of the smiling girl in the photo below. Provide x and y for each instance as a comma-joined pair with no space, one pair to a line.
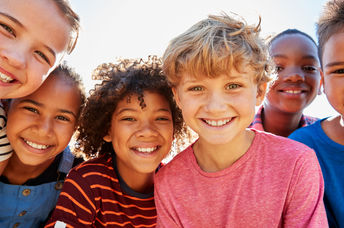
129,123
40,127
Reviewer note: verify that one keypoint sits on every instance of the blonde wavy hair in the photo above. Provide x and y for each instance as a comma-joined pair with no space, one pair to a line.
214,46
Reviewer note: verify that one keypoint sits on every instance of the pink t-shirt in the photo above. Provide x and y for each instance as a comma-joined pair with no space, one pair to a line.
276,183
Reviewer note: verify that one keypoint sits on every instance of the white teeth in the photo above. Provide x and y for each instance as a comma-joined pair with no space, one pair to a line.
217,123
5,78
146,150
36,146
293,91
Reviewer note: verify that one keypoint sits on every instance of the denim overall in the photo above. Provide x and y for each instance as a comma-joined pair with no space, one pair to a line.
29,206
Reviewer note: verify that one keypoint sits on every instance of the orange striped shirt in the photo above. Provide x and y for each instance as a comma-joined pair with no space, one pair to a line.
94,195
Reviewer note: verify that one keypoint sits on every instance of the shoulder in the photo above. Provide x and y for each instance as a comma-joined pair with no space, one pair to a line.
177,165
306,132
281,147
102,164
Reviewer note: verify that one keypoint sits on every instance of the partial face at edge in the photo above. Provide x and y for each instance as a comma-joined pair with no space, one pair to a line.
33,37
333,71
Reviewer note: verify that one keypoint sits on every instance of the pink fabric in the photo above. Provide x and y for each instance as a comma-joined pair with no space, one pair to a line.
276,183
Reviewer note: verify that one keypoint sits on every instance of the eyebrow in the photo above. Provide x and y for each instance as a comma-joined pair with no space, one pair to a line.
41,105
14,20
331,64
303,57
134,110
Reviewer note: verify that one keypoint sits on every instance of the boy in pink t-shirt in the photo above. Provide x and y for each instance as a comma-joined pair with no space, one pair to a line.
232,176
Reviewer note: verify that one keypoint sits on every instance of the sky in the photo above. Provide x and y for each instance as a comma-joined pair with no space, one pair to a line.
138,28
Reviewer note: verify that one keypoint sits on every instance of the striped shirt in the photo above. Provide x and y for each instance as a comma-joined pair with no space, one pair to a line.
5,147
258,123
94,195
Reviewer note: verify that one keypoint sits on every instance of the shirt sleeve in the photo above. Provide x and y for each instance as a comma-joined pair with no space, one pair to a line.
76,204
5,147
304,204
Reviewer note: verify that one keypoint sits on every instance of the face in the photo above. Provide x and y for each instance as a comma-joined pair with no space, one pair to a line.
140,137
333,68
33,37
219,109
298,76
40,125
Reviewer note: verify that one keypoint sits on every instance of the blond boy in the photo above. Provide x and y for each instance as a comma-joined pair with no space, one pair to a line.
232,176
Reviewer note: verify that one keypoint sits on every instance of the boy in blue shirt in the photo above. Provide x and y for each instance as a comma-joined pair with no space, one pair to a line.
326,136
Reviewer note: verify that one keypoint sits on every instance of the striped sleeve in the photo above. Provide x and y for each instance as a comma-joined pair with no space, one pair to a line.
76,205
5,147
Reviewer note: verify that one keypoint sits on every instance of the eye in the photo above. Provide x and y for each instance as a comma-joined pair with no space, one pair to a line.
233,86
338,71
163,119
8,29
31,109
196,88
130,119
63,118
43,56
309,68
278,69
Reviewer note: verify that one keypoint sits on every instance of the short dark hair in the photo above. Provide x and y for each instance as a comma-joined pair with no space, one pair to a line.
331,21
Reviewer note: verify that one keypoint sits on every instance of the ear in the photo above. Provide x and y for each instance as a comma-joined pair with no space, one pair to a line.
261,90
176,96
321,82
107,137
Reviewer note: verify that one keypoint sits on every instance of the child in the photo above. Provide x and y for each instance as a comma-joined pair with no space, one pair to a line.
129,123
39,128
34,35
232,176
326,136
297,83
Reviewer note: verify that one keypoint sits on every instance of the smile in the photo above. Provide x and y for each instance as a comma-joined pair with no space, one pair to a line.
146,149
36,146
293,91
217,123
5,78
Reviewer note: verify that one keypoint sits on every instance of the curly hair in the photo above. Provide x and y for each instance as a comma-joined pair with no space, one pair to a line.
331,21
127,77
214,46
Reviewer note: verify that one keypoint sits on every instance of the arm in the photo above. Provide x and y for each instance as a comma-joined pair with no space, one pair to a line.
75,206
304,204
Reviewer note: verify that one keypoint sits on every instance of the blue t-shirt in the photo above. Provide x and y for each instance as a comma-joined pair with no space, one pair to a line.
331,158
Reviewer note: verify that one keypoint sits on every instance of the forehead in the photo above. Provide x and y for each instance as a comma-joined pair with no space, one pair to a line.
41,19
56,93
294,44
333,51
151,99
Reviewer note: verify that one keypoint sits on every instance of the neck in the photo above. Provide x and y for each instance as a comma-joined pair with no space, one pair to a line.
18,173
139,182
215,157
334,128
280,123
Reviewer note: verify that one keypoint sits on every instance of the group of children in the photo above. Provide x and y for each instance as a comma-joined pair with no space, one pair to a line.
242,171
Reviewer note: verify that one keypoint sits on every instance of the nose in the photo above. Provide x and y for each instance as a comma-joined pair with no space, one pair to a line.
294,75
216,103
14,56
44,126
147,129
